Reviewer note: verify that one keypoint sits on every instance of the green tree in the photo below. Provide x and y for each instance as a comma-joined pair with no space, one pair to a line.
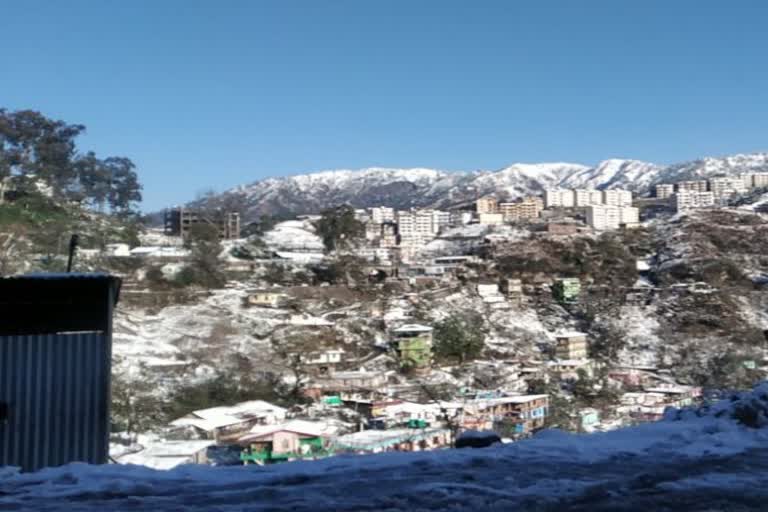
135,405
339,228
36,150
459,337
204,265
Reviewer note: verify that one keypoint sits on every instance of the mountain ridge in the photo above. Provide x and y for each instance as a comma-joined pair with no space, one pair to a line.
425,187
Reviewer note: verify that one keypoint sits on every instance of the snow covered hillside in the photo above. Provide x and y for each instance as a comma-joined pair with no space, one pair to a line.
713,458
405,188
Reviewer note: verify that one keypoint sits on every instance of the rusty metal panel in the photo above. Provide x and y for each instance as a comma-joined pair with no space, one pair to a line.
54,399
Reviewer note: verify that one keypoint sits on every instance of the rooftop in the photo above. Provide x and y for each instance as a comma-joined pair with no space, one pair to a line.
302,427
377,438
216,417
413,328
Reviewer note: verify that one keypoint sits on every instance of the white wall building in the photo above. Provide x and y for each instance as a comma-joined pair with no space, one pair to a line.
629,216
382,214
685,200
723,188
559,198
665,190
601,217
617,197
607,217
491,219
758,180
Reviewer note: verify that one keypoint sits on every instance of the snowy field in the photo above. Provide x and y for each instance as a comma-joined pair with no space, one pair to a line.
703,460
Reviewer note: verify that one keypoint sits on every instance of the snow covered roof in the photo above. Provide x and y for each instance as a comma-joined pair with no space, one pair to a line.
569,334
519,399
303,427
413,328
370,438
672,390
166,454
568,362
216,417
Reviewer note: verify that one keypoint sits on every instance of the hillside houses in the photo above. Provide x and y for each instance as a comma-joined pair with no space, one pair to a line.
227,423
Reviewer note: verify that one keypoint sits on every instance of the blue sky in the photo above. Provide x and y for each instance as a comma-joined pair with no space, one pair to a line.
207,95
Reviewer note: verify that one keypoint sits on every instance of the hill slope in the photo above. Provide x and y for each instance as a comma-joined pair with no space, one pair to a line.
708,459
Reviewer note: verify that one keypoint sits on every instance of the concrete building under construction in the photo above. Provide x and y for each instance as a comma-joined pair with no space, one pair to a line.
178,222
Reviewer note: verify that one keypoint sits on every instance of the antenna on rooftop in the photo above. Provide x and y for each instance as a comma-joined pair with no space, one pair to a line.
72,247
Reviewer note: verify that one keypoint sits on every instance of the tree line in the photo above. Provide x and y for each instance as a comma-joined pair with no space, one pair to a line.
38,153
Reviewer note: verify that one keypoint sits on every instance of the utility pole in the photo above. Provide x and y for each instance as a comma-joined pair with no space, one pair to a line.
73,241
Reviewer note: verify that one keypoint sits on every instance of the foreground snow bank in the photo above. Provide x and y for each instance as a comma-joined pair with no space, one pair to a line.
711,457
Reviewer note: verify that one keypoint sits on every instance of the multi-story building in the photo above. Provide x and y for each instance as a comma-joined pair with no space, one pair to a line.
460,218
723,188
487,204
424,222
600,217
685,200
491,218
587,197
372,230
665,190
388,237
604,217
693,186
559,198
413,345
520,414
758,180
440,220
382,214
528,208
179,221
420,226
629,216
617,197
567,289
581,197
538,201
571,345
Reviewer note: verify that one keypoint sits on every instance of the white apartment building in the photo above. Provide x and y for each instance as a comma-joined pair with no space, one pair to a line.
665,190
382,214
559,198
617,197
685,200
529,208
601,218
694,186
491,219
421,226
460,218
757,180
487,204
424,221
607,217
722,188
440,220
587,197
629,216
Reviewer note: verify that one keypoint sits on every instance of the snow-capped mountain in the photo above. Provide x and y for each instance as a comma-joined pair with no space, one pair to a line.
418,187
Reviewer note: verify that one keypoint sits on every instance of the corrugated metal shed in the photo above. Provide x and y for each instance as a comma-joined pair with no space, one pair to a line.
55,363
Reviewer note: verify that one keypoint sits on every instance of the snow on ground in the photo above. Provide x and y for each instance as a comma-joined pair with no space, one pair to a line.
641,325
293,234
693,460
169,335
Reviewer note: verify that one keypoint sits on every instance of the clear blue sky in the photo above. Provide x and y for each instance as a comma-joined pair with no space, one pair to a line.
213,94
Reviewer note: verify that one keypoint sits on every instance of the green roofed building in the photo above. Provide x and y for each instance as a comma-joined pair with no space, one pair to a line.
567,290
413,344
